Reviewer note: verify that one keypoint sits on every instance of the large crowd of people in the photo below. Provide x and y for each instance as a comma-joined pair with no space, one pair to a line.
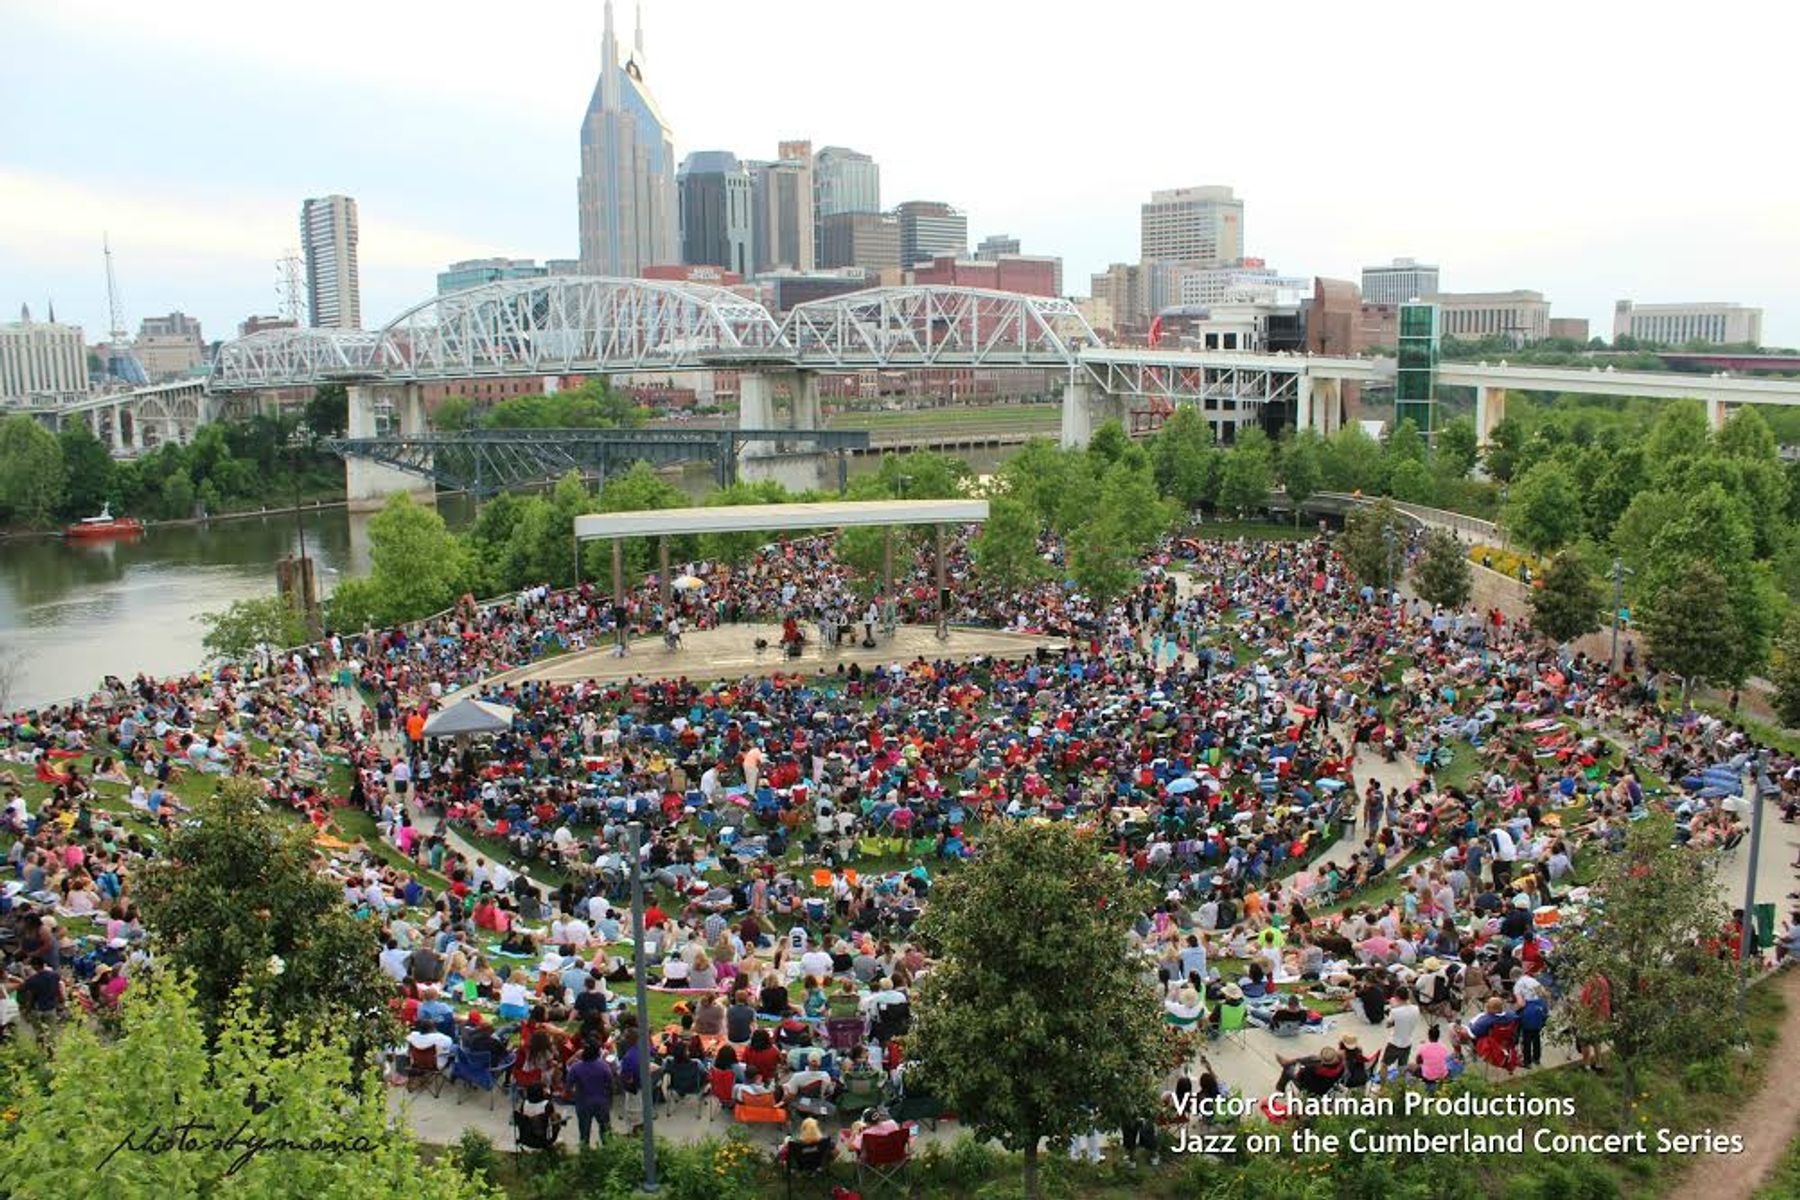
1361,816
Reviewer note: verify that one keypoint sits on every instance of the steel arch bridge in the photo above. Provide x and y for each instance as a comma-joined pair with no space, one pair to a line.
577,325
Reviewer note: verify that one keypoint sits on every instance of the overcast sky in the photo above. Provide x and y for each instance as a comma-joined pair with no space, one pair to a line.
1589,150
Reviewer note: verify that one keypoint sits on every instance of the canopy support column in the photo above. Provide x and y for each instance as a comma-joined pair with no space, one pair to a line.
943,611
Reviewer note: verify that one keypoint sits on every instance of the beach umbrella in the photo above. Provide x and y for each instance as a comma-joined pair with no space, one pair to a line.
687,583
1183,786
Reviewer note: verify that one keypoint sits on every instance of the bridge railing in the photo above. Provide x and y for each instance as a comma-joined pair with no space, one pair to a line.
1464,526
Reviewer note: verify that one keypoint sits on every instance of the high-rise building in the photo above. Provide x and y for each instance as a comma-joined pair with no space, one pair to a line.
782,209
1717,324
626,193
473,272
328,235
1123,287
844,181
930,229
995,245
1519,317
870,240
1399,281
169,346
1200,225
42,362
717,211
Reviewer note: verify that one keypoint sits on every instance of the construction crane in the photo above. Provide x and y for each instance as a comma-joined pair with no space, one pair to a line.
121,363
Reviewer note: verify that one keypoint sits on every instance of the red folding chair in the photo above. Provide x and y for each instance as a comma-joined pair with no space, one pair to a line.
884,1157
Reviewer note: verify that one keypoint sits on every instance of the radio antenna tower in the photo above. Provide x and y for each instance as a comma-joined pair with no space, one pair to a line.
118,333
288,287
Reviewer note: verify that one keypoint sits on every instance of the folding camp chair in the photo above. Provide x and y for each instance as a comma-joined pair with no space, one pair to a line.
1234,1019
477,1071
884,1157
537,1133
807,1162
1499,1047
761,1110
422,1070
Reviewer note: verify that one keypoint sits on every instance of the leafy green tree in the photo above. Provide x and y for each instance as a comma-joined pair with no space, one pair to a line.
1303,469
1371,542
1353,462
1566,604
1248,473
1412,481
922,475
31,471
1679,433
1693,631
328,412
419,566
87,471
1100,558
235,631
1747,435
1786,672
1647,943
1130,501
738,547
236,887
1059,486
304,1124
637,490
1404,443
593,405
1712,527
1457,448
178,494
1506,445
1442,575
1544,511
1006,553
453,414
1108,443
1185,458
1037,1024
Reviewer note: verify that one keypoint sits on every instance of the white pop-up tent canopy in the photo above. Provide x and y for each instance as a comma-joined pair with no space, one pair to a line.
469,715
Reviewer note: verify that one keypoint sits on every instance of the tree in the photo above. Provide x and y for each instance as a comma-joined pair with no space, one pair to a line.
87,471
1693,631
1185,458
1713,527
235,631
1442,575
1412,481
1680,433
1404,443
1353,462
1108,443
1129,498
1567,605
178,495
1785,673
1544,512
1037,1022
1650,944
1244,482
328,412
1059,486
1303,469
1457,448
1371,541
303,1124
1100,559
453,413
1006,553
419,567
236,887
31,471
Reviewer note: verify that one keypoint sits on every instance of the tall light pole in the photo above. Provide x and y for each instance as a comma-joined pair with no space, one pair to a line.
1753,773
1619,572
1391,539
634,839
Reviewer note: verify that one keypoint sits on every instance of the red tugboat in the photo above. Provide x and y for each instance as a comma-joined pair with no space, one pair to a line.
105,526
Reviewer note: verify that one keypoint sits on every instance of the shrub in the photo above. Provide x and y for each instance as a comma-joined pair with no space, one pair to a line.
475,1155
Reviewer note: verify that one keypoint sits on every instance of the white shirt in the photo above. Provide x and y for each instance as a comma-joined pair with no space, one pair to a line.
1405,1020
438,1041
513,994
394,963
1526,989
816,963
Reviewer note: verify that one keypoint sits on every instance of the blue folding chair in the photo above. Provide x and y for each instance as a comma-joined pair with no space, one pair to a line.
477,1071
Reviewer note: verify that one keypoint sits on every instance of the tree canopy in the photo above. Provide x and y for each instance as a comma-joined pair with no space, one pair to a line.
1037,1023
1442,575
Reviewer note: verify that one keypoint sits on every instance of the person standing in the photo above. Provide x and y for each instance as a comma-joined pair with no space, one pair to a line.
590,1082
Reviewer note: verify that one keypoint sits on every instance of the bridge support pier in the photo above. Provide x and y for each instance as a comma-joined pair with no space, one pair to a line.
1490,410
1077,414
367,485
1715,413
1318,403
118,428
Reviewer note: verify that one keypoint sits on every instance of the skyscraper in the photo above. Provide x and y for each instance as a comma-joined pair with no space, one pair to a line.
996,245
1200,225
782,195
930,228
844,181
328,233
1400,281
626,192
716,212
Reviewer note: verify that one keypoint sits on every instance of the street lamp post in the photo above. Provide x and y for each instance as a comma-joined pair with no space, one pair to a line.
634,839
1392,540
1619,572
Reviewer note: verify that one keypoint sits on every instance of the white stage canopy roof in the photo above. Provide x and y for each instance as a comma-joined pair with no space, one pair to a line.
830,514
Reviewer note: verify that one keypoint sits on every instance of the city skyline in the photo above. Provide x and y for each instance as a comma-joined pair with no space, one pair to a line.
1585,211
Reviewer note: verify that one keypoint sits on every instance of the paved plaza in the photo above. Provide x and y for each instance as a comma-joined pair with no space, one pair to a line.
731,652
